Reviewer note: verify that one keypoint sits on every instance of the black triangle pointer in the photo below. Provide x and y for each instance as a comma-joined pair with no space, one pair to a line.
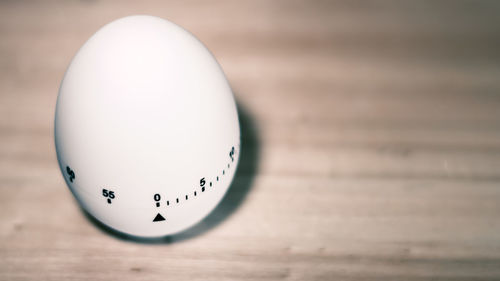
158,218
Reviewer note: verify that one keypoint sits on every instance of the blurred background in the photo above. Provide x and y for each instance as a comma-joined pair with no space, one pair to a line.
371,144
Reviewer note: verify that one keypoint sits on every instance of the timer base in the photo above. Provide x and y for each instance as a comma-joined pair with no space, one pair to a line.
234,197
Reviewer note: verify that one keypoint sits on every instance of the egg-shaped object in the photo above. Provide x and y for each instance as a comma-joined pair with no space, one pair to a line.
146,128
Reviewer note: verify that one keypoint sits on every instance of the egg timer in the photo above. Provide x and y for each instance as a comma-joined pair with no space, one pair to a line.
146,128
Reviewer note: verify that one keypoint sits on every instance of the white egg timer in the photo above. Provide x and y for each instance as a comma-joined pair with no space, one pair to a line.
146,128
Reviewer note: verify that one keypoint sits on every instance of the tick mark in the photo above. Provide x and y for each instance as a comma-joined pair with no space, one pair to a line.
168,203
157,204
195,193
217,178
186,197
203,189
210,183
223,172
177,200
109,201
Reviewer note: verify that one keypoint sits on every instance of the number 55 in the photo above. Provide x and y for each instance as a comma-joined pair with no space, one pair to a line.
108,193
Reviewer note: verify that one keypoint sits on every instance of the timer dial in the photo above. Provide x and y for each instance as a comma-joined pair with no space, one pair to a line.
146,127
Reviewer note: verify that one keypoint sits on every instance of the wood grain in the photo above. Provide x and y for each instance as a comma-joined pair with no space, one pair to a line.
371,136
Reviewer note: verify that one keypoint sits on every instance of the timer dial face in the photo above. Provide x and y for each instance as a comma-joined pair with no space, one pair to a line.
146,128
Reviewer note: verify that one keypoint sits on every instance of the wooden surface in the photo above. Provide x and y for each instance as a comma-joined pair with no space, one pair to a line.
371,144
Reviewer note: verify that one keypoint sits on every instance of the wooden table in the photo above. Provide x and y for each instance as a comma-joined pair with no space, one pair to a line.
371,144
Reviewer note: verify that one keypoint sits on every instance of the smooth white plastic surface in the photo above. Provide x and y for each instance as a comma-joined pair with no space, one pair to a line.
146,127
